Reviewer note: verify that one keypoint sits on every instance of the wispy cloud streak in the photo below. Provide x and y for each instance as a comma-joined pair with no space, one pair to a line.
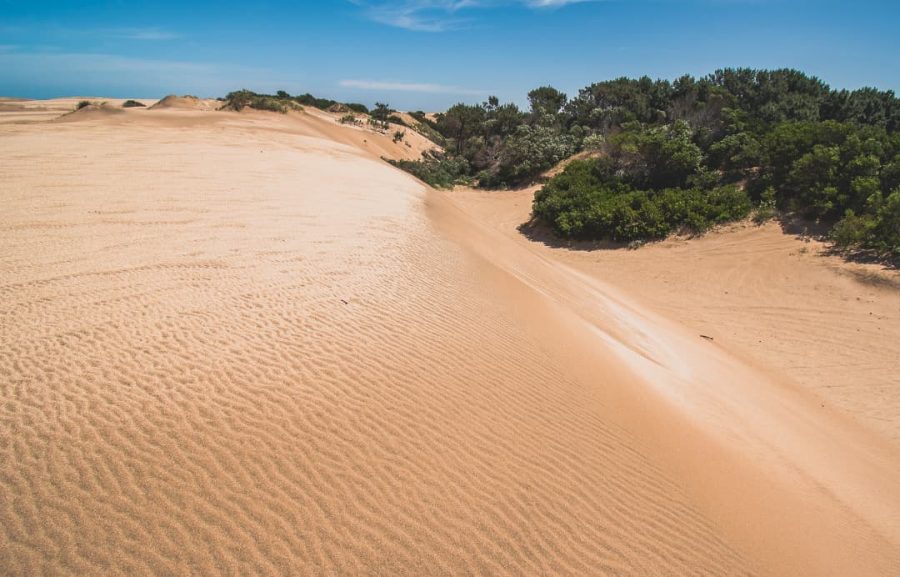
143,34
376,85
440,15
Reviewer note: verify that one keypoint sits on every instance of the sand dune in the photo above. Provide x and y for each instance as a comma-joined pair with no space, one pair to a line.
21,111
242,344
186,103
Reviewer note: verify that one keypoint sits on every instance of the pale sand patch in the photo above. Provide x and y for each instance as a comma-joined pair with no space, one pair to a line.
241,344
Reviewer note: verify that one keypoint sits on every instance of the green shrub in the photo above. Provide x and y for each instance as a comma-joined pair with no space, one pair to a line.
310,100
528,152
589,201
766,210
83,104
593,142
886,232
658,157
877,231
241,99
443,173
133,104
853,230
397,120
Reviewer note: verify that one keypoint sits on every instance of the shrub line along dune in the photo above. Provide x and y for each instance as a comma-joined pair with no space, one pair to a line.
686,155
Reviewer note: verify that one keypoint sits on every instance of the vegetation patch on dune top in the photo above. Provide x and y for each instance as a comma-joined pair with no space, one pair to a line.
283,102
241,99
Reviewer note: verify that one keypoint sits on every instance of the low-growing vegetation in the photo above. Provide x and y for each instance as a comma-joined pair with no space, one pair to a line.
437,172
283,102
427,128
133,104
241,99
83,104
589,201
350,119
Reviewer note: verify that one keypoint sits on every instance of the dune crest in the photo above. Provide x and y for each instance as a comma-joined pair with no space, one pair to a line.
185,103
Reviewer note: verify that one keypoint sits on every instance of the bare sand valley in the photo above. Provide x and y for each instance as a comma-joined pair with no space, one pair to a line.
242,344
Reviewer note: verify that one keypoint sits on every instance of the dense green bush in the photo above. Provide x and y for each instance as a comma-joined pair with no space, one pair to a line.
821,170
878,230
282,102
308,100
133,104
241,99
588,201
527,153
393,118
83,104
443,173
357,107
657,157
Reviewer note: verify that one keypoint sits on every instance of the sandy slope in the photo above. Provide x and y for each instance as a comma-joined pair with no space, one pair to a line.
241,344
776,300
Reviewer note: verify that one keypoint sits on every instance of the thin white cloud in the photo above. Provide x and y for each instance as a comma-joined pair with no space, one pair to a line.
143,34
440,15
376,85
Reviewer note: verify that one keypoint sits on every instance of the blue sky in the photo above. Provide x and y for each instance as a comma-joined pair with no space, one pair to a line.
428,54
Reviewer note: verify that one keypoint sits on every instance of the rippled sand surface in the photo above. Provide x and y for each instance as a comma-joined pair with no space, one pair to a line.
244,345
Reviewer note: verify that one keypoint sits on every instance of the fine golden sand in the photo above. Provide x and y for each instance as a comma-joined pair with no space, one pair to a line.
242,344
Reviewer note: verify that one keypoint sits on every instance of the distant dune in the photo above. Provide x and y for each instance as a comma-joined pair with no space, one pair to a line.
94,110
186,103
252,347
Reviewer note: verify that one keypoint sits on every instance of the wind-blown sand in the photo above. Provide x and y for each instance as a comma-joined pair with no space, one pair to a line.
242,344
